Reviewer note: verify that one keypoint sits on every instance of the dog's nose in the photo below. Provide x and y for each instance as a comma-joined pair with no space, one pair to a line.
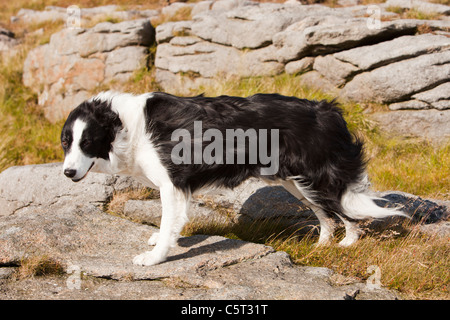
70,173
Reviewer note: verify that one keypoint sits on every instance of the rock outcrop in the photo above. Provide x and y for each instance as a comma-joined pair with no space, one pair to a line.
358,52
7,40
54,13
46,215
363,62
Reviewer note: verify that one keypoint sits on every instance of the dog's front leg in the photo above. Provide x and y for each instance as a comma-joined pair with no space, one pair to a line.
175,204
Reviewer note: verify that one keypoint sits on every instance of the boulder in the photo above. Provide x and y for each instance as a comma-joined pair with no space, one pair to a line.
330,34
337,50
423,6
386,52
198,58
299,66
429,124
165,32
61,221
49,188
408,105
438,97
55,13
337,72
260,22
394,82
7,40
63,75
36,17
315,80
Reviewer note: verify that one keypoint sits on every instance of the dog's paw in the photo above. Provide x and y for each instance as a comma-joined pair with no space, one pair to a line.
148,258
153,239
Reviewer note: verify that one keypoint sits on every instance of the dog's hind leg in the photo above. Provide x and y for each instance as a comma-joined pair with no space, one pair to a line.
352,232
327,225
175,204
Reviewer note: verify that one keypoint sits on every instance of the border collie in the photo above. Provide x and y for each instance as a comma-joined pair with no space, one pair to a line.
153,138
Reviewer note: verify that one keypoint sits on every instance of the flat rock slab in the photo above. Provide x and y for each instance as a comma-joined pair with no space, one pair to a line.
380,85
193,257
201,267
428,124
76,232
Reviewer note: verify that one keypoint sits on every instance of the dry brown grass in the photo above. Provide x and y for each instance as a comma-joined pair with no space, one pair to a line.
418,265
116,205
38,266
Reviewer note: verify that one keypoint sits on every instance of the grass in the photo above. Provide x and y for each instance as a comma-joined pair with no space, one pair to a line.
26,135
417,265
413,13
36,266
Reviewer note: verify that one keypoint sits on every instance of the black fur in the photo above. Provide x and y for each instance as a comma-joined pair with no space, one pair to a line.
101,129
314,141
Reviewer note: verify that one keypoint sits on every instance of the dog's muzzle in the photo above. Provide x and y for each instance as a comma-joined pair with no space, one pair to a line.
71,173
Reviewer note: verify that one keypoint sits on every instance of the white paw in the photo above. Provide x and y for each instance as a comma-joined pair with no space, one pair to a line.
148,258
347,241
153,239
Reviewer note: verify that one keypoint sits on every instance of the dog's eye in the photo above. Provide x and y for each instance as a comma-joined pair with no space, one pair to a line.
85,143
65,144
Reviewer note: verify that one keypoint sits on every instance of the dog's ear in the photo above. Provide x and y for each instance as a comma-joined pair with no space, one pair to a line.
106,117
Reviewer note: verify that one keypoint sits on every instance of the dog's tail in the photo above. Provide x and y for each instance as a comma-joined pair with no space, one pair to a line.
357,204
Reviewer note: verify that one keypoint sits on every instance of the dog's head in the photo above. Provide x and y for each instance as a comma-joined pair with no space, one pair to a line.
87,137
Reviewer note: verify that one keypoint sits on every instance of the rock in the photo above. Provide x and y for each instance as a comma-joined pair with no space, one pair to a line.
331,34
422,6
429,124
7,40
273,277
341,46
70,228
234,199
411,104
438,97
165,32
299,66
348,3
420,210
382,84
291,40
337,72
63,75
437,229
180,83
260,22
6,272
204,59
173,9
370,57
314,79
54,13
122,62
201,6
51,188
146,212
36,17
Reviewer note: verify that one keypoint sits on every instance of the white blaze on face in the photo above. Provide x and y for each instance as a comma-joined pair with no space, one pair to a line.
75,158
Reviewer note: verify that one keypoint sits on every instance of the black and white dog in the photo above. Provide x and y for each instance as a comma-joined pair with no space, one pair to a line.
180,145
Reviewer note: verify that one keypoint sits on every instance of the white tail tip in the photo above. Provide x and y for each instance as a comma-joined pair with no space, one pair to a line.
361,206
